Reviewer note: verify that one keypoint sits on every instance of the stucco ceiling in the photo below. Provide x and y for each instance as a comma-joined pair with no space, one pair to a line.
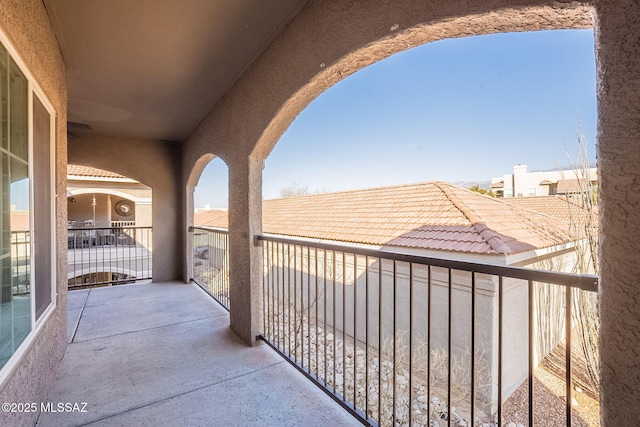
154,68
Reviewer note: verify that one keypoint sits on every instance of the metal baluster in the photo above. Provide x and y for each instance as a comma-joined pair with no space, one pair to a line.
395,336
567,320
278,308
379,341
335,355
500,314
410,343
295,302
265,287
309,304
366,337
316,299
473,348
355,330
324,329
429,305
344,327
450,314
289,299
531,353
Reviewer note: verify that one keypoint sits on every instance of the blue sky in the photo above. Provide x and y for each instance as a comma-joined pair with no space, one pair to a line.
454,110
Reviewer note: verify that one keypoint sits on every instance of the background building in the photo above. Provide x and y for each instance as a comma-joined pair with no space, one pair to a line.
543,183
100,198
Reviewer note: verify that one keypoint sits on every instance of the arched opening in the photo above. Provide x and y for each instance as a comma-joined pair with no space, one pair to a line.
109,221
211,190
207,250
248,121
336,163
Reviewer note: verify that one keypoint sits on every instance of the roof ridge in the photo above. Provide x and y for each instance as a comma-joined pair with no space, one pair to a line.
492,238
356,190
91,171
459,204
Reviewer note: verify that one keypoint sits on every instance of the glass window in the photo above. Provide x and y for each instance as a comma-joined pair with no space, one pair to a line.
15,252
28,271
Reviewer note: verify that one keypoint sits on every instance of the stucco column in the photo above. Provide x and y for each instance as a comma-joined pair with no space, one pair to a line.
245,258
618,57
188,235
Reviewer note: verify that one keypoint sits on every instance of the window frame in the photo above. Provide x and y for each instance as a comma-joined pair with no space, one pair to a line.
34,89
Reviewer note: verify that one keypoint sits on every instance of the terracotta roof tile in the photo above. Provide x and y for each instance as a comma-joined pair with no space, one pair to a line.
573,185
569,210
76,170
212,218
433,215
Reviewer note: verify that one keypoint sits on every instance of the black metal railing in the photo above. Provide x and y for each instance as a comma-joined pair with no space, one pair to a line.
211,262
20,262
409,340
109,256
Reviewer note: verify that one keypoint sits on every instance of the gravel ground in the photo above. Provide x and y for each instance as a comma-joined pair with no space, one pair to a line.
550,407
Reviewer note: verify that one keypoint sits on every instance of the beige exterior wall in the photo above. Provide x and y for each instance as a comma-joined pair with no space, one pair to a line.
618,66
80,209
528,183
28,27
144,214
155,164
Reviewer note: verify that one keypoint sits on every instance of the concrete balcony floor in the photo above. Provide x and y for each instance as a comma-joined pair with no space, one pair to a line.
162,354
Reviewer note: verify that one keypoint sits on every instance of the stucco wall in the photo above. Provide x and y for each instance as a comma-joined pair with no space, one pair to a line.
618,66
27,25
82,209
155,164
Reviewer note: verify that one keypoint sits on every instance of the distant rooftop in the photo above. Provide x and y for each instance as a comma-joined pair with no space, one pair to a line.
89,172
434,215
212,218
565,209
574,185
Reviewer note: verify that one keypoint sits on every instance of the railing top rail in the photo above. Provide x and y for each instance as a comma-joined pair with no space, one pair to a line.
205,228
582,281
116,227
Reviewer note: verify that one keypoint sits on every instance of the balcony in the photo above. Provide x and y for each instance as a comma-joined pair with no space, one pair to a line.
157,125
163,354
401,339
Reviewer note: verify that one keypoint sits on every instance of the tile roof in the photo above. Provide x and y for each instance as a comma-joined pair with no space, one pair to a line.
573,185
87,171
434,215
568,210
212,218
